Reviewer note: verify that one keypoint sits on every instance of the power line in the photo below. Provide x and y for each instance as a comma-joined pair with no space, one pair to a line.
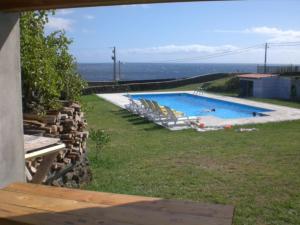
218,54
296,43
238,51
233,52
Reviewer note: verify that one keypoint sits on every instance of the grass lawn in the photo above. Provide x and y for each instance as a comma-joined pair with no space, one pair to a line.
215,83
257,172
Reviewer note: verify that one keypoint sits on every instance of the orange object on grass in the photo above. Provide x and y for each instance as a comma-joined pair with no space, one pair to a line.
201,125
228,126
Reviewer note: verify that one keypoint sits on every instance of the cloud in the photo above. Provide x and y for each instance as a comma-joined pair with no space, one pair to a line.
273,34
145,6
194,48
63,12
58,23
276,34
89,17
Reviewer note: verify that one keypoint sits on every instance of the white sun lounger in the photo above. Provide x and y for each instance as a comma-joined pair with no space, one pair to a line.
176,120
162,115
133,106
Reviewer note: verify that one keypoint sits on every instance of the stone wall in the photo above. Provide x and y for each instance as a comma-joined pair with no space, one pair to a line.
154,85
71,167
101,83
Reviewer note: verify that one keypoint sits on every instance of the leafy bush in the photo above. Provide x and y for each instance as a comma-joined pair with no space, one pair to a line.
100,139
48,69
229,85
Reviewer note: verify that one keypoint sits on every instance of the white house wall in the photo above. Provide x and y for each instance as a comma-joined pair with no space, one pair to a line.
11,132
297,84
284,88
272,87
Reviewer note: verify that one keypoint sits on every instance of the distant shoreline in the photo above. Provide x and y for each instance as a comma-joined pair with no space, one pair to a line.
139,72
149,72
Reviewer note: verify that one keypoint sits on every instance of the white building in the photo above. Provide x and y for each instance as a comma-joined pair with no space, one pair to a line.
269,86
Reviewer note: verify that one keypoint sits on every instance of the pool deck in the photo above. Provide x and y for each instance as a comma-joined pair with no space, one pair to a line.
279,113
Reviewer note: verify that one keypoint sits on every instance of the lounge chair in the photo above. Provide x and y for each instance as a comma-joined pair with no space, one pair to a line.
155,113
174,117
164,114
132,106
161,112
146,108
175,112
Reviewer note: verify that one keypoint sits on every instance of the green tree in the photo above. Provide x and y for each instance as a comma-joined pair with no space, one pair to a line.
65,66
48,69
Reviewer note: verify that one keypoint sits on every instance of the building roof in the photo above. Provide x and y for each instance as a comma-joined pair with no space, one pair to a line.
256,75
23,5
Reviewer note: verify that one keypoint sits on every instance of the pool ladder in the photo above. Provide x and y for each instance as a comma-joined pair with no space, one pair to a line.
198,91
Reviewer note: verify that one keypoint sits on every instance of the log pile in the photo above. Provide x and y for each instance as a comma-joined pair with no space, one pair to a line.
71,168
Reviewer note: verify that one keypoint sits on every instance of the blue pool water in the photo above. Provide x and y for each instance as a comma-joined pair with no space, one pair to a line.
193,105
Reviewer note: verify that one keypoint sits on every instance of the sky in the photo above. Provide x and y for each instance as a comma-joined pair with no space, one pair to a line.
193,32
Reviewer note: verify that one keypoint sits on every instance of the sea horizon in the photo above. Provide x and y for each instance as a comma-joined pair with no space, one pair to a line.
154,71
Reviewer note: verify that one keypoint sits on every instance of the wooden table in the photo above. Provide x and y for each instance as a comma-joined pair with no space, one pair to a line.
37,146
33,204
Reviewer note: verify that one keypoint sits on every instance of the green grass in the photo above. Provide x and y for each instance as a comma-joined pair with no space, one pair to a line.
215,83
288,103
257,172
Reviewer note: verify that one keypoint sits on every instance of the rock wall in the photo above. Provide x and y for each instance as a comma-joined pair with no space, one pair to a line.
71,167
153,85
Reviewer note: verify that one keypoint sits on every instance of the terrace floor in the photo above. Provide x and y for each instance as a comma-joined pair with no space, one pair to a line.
23,203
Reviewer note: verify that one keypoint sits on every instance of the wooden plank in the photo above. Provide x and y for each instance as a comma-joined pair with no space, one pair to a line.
109,199
23,5
32,142
21,215
45,151
79,195
33,122
91,211
28,174
14,214
43,168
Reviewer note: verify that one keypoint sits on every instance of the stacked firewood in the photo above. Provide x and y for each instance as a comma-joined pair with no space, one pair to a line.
71,168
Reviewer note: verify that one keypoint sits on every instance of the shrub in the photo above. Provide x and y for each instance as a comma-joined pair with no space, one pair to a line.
229,85
48,70
100,139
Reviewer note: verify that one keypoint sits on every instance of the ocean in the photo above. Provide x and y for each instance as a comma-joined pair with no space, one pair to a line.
152,71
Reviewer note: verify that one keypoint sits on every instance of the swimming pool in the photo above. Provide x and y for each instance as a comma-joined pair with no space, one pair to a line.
194,105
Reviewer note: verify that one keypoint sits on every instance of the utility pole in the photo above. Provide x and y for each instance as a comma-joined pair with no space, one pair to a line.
266,57
119,78
114,58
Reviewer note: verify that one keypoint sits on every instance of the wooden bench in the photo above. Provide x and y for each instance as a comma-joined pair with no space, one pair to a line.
22,203
48,148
